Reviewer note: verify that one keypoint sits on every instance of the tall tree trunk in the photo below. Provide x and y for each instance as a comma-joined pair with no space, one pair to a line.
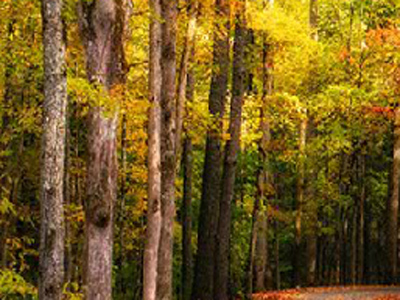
121,212
311,239
187,256
52,229
298,257
187,220
169,12
261,235
353,245
183,71
393,205
257,228
311,257
221,275
153,230
67,201
211,189
367,245
277,257
102,29
361,222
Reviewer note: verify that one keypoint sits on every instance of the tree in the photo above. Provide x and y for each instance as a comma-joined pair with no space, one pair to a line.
261,257
153,230
183,71
169,11
393,204
53,153
102,28
187,159
211,184
232,148
297,255
311,239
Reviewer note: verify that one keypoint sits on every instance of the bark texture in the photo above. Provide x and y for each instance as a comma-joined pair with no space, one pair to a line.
209,208
261,256
102,28
153,229
52,229
393,204
187,260
187,255
169,12
232,147
183,71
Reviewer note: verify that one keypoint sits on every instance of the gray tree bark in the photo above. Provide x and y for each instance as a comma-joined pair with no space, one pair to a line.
153,230
169,10
52,231
102,28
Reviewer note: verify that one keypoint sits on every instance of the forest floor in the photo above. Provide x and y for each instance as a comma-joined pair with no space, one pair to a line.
335,293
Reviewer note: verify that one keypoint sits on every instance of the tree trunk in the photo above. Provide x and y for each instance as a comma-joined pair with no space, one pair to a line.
221,275
277,258
182,78
67,202
52,229
153,230
313,19
353,241
257,226
209,207
299,202
102,29
367,245
393,205
261,244
311,239
361,222
187,256
121,213
311,258
187,220
169,12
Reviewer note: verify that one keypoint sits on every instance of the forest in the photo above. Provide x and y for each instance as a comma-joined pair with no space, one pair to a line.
198,149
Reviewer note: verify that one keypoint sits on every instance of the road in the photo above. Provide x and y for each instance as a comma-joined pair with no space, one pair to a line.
365,293
335,293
